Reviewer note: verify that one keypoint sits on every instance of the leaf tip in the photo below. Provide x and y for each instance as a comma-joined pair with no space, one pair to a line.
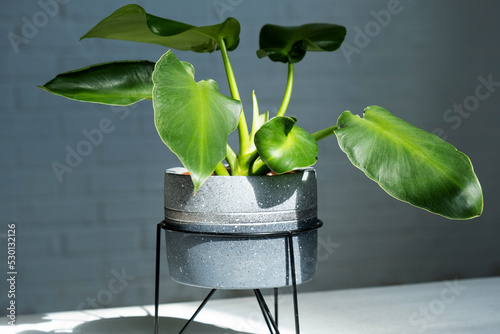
261,53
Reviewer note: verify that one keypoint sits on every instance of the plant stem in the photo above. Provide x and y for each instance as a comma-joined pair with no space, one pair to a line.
229,70
288,91
259,168
231,157
220,169
245,162
325,133
255,117
244,137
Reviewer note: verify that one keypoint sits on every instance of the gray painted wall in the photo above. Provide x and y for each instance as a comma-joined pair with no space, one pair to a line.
75,236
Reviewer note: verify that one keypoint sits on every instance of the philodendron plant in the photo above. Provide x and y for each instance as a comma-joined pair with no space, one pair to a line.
194,119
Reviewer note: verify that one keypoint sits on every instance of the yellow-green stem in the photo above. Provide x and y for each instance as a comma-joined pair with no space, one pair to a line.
244,137
220,169
325,133
255,117
231,157
259,168
288,91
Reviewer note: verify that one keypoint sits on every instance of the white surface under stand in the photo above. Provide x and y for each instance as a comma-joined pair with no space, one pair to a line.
446,307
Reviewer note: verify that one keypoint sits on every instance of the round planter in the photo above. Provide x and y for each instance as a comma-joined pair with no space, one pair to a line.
234,233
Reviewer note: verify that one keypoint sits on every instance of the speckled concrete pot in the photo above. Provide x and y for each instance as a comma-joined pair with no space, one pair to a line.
236,206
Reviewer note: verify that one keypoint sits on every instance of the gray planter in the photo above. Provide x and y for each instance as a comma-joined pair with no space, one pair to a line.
225,236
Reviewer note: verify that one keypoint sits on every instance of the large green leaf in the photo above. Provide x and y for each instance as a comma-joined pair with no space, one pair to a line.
289,44
116,83
411,164
283,146
132,23
192,118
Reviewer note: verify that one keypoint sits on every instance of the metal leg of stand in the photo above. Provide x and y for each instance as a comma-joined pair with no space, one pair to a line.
197,311
276,306
157,274
270,322
294,283
157,285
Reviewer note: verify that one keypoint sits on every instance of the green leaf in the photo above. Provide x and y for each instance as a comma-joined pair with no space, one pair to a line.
411,164
132,23
117,83
192,118
289,44
283,146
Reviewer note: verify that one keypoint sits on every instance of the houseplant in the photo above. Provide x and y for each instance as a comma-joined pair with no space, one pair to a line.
194,119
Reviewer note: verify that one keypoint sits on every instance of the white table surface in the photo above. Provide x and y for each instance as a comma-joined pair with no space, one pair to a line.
458,307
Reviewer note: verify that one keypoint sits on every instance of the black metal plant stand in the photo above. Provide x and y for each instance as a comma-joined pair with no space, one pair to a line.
272,322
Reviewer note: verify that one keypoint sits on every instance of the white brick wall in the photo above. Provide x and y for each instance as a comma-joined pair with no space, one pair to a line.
72,235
